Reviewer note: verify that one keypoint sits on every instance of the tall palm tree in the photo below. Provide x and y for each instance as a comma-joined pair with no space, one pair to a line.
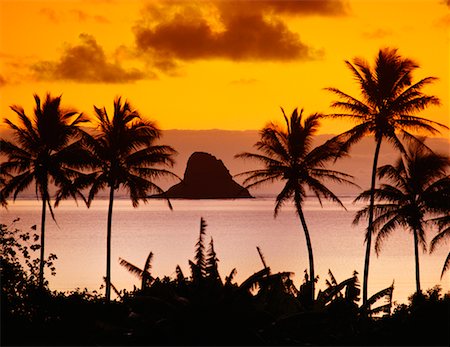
46,151
124,154
288,156
415,185
387,108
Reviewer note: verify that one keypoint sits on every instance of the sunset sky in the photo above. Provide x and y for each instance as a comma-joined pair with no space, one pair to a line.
212,64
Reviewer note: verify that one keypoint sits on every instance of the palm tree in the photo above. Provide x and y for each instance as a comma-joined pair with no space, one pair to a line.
415,185
288,156
124,154
387,108
47,151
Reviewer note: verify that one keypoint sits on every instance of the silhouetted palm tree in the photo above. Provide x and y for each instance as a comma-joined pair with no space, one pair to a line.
288,156
387,108
47,151
124,154
406,202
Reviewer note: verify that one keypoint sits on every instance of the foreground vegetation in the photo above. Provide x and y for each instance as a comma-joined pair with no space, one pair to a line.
205,309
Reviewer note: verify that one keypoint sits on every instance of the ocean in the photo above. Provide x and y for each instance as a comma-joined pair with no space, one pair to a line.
78,238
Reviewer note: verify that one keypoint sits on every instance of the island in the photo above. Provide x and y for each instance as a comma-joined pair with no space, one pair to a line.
206,177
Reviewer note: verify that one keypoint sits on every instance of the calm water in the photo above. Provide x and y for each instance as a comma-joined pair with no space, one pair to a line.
237,226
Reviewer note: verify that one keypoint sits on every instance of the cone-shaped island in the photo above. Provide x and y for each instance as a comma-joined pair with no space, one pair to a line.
206,177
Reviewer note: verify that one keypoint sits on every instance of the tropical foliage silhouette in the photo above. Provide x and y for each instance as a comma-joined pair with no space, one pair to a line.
143,274
264,296
416,184
387,108
47,151
288,156
265,309
124,154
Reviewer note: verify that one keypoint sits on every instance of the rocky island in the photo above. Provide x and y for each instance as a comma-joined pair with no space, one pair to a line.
206,177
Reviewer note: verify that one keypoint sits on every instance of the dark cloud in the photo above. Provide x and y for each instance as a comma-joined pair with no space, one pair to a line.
240,31
2,81
247,37
86,62
290,7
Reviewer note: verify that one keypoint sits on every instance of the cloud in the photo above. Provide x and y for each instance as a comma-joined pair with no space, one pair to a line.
51,14
233,30
84,17
247,37
290,7
88,63
3,81
76,15
377,34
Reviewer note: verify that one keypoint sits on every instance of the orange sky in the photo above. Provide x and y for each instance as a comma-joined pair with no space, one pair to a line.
212,64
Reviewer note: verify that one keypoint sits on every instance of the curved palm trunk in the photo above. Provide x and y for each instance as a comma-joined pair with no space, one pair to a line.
416,257
370,226
41,263
308,245
108,245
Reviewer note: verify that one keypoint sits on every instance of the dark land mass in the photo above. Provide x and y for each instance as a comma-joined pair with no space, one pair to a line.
206,177
204,308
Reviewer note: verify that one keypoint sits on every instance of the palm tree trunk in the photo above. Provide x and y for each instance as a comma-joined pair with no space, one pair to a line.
416,256
308,245
370,226
41,262
108,245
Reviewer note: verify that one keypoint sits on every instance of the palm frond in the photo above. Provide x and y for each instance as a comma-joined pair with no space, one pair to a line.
133,269
446,265
261,256
253,280
387,292
230,277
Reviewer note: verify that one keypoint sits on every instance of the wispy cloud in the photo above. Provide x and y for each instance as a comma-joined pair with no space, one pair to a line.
87,62
377,34
75,15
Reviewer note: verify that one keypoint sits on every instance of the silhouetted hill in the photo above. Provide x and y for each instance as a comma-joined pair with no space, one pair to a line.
225,144
206,177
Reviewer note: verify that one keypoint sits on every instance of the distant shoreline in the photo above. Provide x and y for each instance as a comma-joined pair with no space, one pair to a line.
262,196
